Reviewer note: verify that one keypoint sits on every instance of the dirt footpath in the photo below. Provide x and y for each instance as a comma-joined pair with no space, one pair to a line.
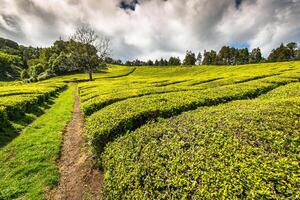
79,178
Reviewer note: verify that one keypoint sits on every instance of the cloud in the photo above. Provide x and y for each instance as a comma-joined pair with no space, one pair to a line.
155,28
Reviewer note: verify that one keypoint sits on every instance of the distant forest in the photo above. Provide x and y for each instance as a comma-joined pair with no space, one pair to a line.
226,56
34,64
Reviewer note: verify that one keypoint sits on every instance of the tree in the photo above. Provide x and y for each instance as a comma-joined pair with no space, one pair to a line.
297,54
282,53
150,63
9,66
199,58
224,56
190,58
59,63
243,56
92,47
162,62
174,61
255,56
292,46
210,58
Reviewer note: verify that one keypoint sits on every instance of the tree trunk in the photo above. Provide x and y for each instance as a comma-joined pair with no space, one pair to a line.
90,74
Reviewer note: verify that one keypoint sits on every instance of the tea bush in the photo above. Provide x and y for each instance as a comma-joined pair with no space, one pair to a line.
241,150
18,98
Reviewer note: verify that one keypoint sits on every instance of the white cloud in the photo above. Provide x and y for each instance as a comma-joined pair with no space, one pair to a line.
156,28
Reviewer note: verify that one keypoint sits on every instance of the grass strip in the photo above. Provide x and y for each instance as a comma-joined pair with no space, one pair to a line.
28,162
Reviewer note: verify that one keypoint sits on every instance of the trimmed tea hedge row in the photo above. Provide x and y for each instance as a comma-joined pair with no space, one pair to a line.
291,90
95,103
3,117
13,106
95,98
114,120
241,150
128,174
101,93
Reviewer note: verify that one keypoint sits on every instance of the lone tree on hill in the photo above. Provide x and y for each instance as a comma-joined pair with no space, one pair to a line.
91,47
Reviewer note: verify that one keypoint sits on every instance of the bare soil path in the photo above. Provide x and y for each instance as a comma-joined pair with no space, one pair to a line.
79,178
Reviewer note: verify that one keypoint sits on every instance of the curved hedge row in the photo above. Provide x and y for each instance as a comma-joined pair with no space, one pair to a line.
241,150
98,102
291,90
3,117
103,94
114,120
14,104
167,160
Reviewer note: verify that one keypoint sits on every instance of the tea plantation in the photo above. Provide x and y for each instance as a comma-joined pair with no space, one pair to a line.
201,132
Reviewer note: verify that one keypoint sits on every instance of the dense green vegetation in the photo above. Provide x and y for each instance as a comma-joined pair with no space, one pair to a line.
14,58
239,138
81,53
245,149
16,99
91,53
28,162
28,153
208,132
9,66
225,56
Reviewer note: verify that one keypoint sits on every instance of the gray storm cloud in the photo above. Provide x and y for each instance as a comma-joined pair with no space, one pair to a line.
155,28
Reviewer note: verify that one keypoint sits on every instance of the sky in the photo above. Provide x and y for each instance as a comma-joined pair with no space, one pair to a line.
151,29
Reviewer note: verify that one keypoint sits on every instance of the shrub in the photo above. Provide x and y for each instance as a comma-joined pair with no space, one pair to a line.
24,74
241,150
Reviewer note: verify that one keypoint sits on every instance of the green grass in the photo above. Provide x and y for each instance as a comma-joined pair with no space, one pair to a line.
28,162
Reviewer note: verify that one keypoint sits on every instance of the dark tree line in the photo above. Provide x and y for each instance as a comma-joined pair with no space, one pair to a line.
232,56
172,61
226,56
287,52
85,51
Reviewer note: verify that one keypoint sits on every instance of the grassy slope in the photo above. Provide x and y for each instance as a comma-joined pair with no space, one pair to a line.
28,162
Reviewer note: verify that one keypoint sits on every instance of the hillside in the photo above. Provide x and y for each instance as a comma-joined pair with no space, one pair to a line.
200,132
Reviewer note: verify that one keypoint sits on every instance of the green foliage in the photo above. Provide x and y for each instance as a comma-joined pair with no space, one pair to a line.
284,53
221,147
9,46
61,58
242,150
9,69
28,53
174,61
35,70
17,99
224,149
190,58
3,118
255,56
24,74
28,162
210,58
113,120
59,63
232,56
